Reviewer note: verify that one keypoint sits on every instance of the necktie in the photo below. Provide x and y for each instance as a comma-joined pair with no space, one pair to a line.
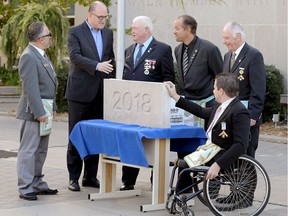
216,117
139,54
232,60
185,61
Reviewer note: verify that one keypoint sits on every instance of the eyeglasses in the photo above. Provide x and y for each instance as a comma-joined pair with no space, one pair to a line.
101,17
48,35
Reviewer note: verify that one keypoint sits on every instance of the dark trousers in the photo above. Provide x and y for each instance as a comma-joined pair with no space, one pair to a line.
253,142
129,175
82,111
186,179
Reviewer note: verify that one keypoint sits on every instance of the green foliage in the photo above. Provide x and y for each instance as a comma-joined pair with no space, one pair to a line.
14,34
274,87
62,75
9,77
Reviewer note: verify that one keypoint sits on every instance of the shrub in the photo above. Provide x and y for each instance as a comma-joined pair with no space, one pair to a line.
274,87
62,74
9,77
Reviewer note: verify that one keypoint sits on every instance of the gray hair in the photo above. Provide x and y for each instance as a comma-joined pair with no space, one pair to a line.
35,30
236,28
146,21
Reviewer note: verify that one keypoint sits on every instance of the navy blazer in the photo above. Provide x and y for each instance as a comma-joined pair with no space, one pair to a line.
204,64
155,65
84,81
250,70
237,121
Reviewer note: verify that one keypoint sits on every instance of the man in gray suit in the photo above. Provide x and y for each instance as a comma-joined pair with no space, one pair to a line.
38,82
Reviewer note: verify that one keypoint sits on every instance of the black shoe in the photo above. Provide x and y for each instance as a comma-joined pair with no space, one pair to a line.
230,199
74,185
47,192
126,187
90,183
28,196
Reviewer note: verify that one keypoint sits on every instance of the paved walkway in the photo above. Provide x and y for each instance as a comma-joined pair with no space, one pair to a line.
273,157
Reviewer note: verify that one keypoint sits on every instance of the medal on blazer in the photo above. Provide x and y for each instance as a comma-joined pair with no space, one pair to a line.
45,65
149,63
241,72
223,134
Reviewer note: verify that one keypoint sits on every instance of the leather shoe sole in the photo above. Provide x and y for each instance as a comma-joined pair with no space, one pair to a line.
47,192
91,183
28,196
74,186
126,187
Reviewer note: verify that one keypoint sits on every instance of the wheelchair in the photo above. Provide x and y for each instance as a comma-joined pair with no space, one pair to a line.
243,189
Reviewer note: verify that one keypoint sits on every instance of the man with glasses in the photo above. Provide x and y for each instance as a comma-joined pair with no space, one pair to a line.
90,46
38,82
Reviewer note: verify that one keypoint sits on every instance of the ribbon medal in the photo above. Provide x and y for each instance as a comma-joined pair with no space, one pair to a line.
223,134
241,72
149,63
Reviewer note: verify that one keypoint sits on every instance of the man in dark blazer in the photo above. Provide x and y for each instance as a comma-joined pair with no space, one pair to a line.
249,68
154,63
38,82
228,121
90,46
204,62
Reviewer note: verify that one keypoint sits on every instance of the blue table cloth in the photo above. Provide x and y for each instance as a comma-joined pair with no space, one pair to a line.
125,140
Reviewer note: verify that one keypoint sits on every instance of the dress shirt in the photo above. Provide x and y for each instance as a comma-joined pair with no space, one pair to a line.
224,105
145,46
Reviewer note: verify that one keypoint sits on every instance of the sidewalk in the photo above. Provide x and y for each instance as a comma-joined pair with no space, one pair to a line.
273,156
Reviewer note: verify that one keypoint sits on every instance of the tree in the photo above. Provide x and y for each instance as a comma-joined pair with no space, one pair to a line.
14,33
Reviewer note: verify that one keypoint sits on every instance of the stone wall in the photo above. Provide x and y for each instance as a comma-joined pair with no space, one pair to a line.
265,22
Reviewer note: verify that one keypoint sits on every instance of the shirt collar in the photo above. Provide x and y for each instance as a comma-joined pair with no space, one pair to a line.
41,51
239,50
226,103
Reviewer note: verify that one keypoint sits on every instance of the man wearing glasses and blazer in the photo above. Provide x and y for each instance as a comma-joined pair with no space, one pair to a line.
90,46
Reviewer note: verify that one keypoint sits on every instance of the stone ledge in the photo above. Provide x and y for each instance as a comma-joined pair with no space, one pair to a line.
10,90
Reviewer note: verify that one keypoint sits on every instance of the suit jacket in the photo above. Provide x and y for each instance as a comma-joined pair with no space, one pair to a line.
155,65
250,70
204,64
84,81
237,120
38,82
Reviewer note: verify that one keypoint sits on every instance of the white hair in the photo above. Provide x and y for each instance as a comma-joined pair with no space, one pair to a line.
146,21
236,28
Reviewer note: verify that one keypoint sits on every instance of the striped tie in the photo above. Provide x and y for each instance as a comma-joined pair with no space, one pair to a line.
232,60
185,61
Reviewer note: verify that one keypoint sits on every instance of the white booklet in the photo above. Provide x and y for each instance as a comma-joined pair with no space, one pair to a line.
45,127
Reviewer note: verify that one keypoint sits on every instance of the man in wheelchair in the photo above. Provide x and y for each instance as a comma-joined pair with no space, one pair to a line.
228,126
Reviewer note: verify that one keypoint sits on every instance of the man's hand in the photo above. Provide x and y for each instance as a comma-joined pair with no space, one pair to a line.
252,122
172,90
213,171
42,118
105,67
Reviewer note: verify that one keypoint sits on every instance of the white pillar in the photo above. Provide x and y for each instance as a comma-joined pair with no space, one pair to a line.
120,38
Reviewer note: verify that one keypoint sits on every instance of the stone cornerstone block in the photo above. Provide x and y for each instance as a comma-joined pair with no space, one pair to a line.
135,102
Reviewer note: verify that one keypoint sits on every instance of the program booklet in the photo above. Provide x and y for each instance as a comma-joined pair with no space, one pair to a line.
46,127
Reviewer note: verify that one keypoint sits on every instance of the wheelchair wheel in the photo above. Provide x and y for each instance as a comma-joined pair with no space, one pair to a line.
188,212
196,177
243,189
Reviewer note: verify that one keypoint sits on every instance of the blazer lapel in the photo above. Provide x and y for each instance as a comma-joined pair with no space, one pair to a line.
148,51
46,65
240,57
90,39
193,55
